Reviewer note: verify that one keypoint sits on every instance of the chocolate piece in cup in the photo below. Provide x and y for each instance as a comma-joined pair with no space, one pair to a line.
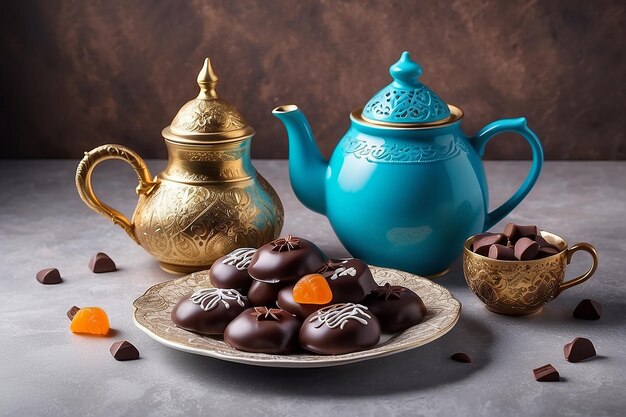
231,271
49,276
340,328
286,259
208,310
349,280
483,242
264,293
101,262
526,249
588,310
286,302
264,330
514,232
546,373
578,350
501,252
397,308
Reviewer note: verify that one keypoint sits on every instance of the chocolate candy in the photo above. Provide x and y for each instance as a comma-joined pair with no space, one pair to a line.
546,373
461,357
124,351
265,330
264,293
340,328
209,310
501,252
545,251
483,242
349,280
72,312
231,271
526,249
287,303
49,276
286,259
397,308
588,310
578,350
514,232
101,262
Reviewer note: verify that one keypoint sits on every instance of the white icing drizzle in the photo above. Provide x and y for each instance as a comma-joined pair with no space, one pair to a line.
343,271
338,315
209,298
240,258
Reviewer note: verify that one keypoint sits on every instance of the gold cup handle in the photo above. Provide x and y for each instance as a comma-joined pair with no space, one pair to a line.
589,248
85,189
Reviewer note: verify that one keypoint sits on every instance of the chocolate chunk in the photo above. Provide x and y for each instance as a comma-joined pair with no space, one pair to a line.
578,350
72,312
510,231
501,252
546,373
542,242
514,232
101,262
545,251
124,351
483,242
461,357
526,249
588,310
49,276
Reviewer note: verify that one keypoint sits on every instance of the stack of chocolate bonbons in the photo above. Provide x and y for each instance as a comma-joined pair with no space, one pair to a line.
288,295
515,243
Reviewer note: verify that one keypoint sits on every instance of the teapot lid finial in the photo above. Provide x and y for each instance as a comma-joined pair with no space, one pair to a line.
406,102
207,80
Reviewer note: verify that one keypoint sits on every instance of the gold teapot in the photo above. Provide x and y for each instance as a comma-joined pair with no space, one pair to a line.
208,201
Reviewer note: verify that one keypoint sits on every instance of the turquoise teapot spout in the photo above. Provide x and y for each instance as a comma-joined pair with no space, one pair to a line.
405,187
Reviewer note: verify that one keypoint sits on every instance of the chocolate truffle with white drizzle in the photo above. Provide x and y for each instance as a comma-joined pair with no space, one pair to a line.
286,259
231,271
340,328
208,310
350,280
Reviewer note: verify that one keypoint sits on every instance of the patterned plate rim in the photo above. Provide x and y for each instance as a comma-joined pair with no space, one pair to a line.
444,313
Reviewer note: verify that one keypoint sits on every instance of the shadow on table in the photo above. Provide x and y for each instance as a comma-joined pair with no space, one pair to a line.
421,368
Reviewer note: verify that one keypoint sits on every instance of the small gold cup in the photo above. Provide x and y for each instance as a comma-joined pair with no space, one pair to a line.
523,287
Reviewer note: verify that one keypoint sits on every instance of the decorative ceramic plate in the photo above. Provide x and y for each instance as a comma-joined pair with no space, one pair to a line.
152,315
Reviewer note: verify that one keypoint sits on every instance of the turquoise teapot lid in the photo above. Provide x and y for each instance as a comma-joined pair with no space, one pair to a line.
406,101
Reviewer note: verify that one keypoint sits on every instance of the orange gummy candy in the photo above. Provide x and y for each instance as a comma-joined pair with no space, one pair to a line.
92,320
312,289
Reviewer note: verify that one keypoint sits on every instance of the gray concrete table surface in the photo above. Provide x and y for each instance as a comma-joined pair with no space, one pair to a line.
45,370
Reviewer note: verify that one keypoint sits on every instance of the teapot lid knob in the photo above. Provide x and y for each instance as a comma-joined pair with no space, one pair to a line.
405,71
207,80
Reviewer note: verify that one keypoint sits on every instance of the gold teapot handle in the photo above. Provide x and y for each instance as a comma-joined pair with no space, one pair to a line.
85,189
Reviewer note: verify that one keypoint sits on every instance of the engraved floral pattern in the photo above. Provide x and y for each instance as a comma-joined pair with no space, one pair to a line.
407,154
406,106
153,309
207,116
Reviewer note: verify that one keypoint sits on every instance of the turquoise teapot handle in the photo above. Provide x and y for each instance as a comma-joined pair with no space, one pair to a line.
520,127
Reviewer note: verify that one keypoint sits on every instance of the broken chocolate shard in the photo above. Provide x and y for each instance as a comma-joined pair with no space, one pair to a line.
101,262
588,310
72,312
546,373
461,357
578,350
49,276
124,351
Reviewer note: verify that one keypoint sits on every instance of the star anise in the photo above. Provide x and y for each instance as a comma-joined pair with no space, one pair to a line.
264,313
284,244
387,291
329,266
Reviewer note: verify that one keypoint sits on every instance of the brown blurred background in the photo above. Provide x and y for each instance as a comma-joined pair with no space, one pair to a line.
76,74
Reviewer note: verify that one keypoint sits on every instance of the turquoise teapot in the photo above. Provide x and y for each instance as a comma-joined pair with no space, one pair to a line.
405,187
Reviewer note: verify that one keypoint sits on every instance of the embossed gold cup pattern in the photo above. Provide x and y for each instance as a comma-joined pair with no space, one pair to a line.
523,287
208,201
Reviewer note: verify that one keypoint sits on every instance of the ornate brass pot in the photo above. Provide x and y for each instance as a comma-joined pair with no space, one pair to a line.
208,201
